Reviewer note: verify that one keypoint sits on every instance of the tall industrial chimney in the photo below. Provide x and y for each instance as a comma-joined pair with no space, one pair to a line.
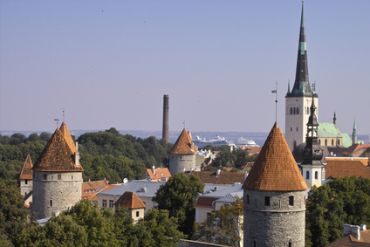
165,127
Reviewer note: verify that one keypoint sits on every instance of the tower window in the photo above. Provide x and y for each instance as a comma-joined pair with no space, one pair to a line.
254,243
26,181
297,110
59,176
45,176
297,129
51,203
316,175
137,213
307,175
290,111
291,200
267,201
291,129
290,243
247,199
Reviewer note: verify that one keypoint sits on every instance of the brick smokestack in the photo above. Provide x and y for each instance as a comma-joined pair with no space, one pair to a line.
165,127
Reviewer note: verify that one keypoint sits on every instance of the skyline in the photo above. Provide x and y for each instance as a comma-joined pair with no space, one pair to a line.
216,61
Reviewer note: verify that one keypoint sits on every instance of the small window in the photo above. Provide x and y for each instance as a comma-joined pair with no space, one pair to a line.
291,129
307,175
26,181
111,203
326,142
45,176
254,243
297,129
297,110
137,213
51,203
332,142
290,243
291,200
72,177
247,199
59,176
267,201
104,204
316,175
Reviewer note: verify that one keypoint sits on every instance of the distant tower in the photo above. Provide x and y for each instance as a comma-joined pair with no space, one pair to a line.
354,133
298,100
183,154
57,176
166,124
274,197
25,177
132,202
312,166
335,119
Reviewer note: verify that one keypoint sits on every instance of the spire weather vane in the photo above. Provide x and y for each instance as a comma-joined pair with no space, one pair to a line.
275,91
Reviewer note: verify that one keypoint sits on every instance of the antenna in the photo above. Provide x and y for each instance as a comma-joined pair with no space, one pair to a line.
275,91
64,115
183,123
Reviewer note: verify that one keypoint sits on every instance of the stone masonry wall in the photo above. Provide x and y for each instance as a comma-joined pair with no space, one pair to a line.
55,192
275,225
179,162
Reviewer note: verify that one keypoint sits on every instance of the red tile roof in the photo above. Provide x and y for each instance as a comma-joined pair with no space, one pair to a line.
275,168
68,137
350,241
91,188
57,156
224,177
130,200
205,202
26,173
184,144
338,167
158,173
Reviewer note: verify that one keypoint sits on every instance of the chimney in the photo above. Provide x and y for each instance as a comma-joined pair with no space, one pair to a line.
165,127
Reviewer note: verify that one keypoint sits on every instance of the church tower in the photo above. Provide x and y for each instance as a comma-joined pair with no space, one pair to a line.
274,197
312,166
57,176
298,100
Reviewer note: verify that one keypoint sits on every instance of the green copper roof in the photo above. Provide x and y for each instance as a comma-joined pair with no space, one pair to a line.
347,141
329,130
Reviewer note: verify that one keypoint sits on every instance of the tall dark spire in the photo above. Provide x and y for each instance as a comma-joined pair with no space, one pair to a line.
312,153
301,84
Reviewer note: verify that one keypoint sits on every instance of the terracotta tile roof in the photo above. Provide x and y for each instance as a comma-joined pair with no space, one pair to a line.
91,188
26,173
275,168
158,173
57,156
338,167
130,200
67,136
184,144
350,241
205,202
223,178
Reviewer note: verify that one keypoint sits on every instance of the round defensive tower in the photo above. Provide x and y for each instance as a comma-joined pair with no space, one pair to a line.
182,155
57,176
274,197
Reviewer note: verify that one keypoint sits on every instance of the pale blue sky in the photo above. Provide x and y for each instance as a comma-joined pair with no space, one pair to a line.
108,63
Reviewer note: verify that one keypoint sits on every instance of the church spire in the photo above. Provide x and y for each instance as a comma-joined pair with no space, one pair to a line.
312,153
354,133
301,84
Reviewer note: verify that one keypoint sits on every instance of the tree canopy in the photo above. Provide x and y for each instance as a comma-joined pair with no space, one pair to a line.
178,196
339,201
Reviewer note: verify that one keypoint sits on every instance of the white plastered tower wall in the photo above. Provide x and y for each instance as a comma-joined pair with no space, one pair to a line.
297,112
313,175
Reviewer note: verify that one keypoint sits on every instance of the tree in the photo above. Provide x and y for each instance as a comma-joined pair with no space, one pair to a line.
178,196
339,201
223,226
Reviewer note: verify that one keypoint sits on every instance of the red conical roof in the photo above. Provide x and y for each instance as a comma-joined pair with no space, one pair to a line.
26,173
68,137
275,168
184,144
57,156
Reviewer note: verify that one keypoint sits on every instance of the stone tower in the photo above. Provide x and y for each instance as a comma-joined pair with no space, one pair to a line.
57,176
25,177
166,123
183,154
298,100
274,197
312,165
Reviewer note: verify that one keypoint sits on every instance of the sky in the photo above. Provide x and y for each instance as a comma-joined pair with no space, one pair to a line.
108,63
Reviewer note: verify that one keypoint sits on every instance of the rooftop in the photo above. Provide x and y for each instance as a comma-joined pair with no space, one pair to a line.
26,173
275,168
223,177
158,173
339,167
184,144
130,200
142,188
